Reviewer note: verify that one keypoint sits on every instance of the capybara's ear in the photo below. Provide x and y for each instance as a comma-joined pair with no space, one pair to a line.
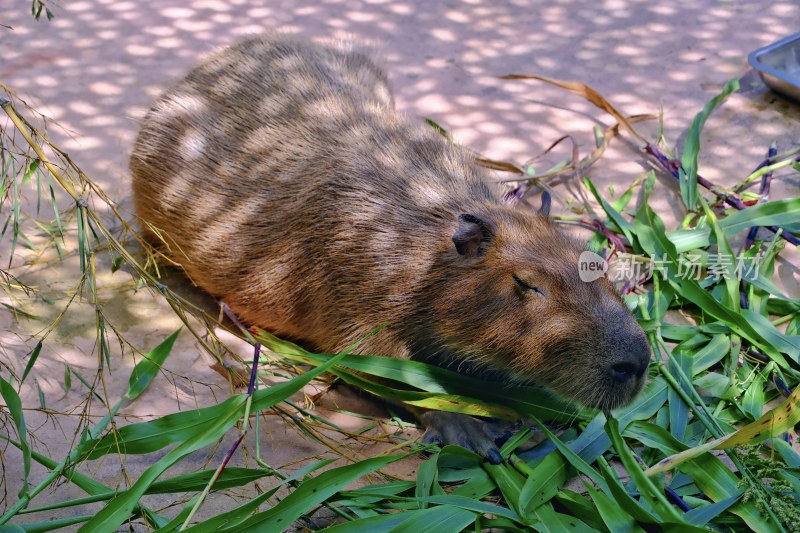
545,209
472,235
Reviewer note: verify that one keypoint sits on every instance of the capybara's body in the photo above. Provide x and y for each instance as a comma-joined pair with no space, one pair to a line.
285,184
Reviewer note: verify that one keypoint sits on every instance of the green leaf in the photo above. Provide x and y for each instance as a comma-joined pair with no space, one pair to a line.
510,483
26,178
678,410
470,504
47,525
144,372
614,517
653,495
707,471
594,441
727,259
427,477
119,509
774,213
197,481
650,229
435,520
430,378
306,497
787,453
691,147
580,507
781,213
612,213
551,521
572,457
543,483
67,378
148,437
34,355
701,516
374,524
241,513
14,406
753,399
711,353
716,385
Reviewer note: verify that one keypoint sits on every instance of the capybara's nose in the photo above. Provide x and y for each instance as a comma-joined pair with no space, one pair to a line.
627,370
632,363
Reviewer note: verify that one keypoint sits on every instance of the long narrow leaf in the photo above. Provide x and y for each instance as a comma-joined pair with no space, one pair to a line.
119,509
691,146
14,406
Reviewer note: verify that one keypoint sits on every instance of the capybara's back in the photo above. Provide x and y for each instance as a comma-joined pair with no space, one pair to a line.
284,183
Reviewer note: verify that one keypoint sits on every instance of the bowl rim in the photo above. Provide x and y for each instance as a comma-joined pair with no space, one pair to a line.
754,59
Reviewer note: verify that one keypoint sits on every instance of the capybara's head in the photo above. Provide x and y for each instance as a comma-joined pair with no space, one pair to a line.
508,296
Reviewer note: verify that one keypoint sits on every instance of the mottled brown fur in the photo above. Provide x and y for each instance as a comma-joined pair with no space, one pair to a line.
287,186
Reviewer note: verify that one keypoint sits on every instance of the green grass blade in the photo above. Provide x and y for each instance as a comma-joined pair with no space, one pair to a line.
551,521
691,146
438,519
678,410
614,517
241,513
34,355
373,524
47,525
119,509
144,371
197,481
306,497
14,406
427,479
711,353
524,400
707,471
782,213
726,260
653,495
509,481
542,483
650,230
470,504
612,213
701,516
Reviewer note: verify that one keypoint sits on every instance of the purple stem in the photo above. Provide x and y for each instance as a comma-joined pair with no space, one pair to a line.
611,236
763,190
758,355
253,371
675,498
781,385
235,319
257,346
672,166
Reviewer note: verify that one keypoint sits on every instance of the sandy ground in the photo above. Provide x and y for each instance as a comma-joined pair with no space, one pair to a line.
97,66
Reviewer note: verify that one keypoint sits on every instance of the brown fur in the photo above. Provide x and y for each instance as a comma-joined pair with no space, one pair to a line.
287,186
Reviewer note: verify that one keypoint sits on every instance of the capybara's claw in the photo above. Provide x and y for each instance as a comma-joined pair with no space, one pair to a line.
477,435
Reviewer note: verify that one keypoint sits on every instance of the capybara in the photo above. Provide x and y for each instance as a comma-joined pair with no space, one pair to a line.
283,181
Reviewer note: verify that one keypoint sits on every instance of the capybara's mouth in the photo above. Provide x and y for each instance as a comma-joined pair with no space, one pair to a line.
608,396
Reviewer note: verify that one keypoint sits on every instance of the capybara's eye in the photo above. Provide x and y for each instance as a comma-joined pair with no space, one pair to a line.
526,287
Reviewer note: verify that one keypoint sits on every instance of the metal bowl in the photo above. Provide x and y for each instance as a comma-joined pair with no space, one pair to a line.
779,65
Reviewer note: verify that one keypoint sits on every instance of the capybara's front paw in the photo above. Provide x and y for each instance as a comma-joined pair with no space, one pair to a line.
478,435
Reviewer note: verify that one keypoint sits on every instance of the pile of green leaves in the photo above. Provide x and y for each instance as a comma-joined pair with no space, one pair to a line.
673,460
